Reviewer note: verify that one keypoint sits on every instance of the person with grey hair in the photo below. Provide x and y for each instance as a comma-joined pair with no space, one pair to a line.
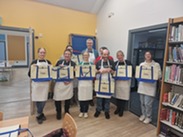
93,53
105,68
100,57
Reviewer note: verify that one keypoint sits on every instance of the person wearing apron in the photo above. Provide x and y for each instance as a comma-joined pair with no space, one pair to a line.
100,57
75,81
147,91
93,55
122,90
40,89
63,91
85,92
104,67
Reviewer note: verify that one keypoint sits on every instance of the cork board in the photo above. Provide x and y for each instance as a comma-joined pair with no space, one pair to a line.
16,47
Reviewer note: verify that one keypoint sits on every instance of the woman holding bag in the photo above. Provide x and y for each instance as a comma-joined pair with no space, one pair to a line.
122,92
40,89
147,90
63,90
85,92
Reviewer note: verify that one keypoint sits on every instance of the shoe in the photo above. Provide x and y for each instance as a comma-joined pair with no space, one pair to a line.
39,119
43,117
85,115
107,116
97,113
81,115
147,120
58,116
120,114
142,117
116,111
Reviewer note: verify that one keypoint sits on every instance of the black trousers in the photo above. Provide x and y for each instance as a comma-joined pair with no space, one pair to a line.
120,104
84,105
58,105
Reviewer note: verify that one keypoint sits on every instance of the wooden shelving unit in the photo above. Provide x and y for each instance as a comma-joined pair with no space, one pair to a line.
166,85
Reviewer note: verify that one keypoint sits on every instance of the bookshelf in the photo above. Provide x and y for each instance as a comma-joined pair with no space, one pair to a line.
171,97
172,126
172,106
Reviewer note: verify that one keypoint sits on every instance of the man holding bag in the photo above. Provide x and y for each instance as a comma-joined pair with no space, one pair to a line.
105,68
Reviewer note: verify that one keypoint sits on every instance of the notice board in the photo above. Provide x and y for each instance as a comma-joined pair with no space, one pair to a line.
78,42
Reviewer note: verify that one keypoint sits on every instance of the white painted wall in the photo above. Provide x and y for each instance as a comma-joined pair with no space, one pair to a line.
131,14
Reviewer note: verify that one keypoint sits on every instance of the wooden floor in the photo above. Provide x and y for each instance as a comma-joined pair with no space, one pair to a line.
14,102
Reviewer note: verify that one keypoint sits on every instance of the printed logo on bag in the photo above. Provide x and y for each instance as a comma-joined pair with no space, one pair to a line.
42,70
63,74
121,72
104,88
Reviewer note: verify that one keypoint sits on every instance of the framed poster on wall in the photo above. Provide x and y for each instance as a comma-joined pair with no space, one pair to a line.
78,42
16,45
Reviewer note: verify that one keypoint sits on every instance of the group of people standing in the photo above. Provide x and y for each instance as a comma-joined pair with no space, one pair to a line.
105,68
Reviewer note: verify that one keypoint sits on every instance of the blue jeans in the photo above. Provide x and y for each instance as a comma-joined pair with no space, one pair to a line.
146,105
106,104
40,107
84,105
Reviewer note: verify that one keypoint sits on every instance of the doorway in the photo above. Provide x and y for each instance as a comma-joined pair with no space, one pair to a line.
152,38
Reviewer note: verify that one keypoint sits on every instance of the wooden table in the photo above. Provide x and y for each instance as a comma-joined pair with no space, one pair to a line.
23,121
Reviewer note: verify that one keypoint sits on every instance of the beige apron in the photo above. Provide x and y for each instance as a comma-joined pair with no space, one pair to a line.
122,88
104,77
62,91
85,90
40,89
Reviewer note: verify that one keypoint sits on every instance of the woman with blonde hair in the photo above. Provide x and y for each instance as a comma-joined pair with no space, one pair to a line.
85,89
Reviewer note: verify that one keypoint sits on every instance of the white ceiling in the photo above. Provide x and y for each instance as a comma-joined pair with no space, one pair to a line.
89,6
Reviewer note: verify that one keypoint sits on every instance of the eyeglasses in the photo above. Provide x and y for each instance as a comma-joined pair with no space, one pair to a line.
42,52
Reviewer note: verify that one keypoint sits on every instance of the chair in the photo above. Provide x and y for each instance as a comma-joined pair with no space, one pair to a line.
1,116
69,125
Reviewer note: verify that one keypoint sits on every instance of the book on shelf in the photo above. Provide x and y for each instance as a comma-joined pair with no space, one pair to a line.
180,120
170,94
176,100
165,97
166,131
175,54
170,54
167,114
172,116
180,105
176,33
175,58
10,131
174,74
179,100
163,114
